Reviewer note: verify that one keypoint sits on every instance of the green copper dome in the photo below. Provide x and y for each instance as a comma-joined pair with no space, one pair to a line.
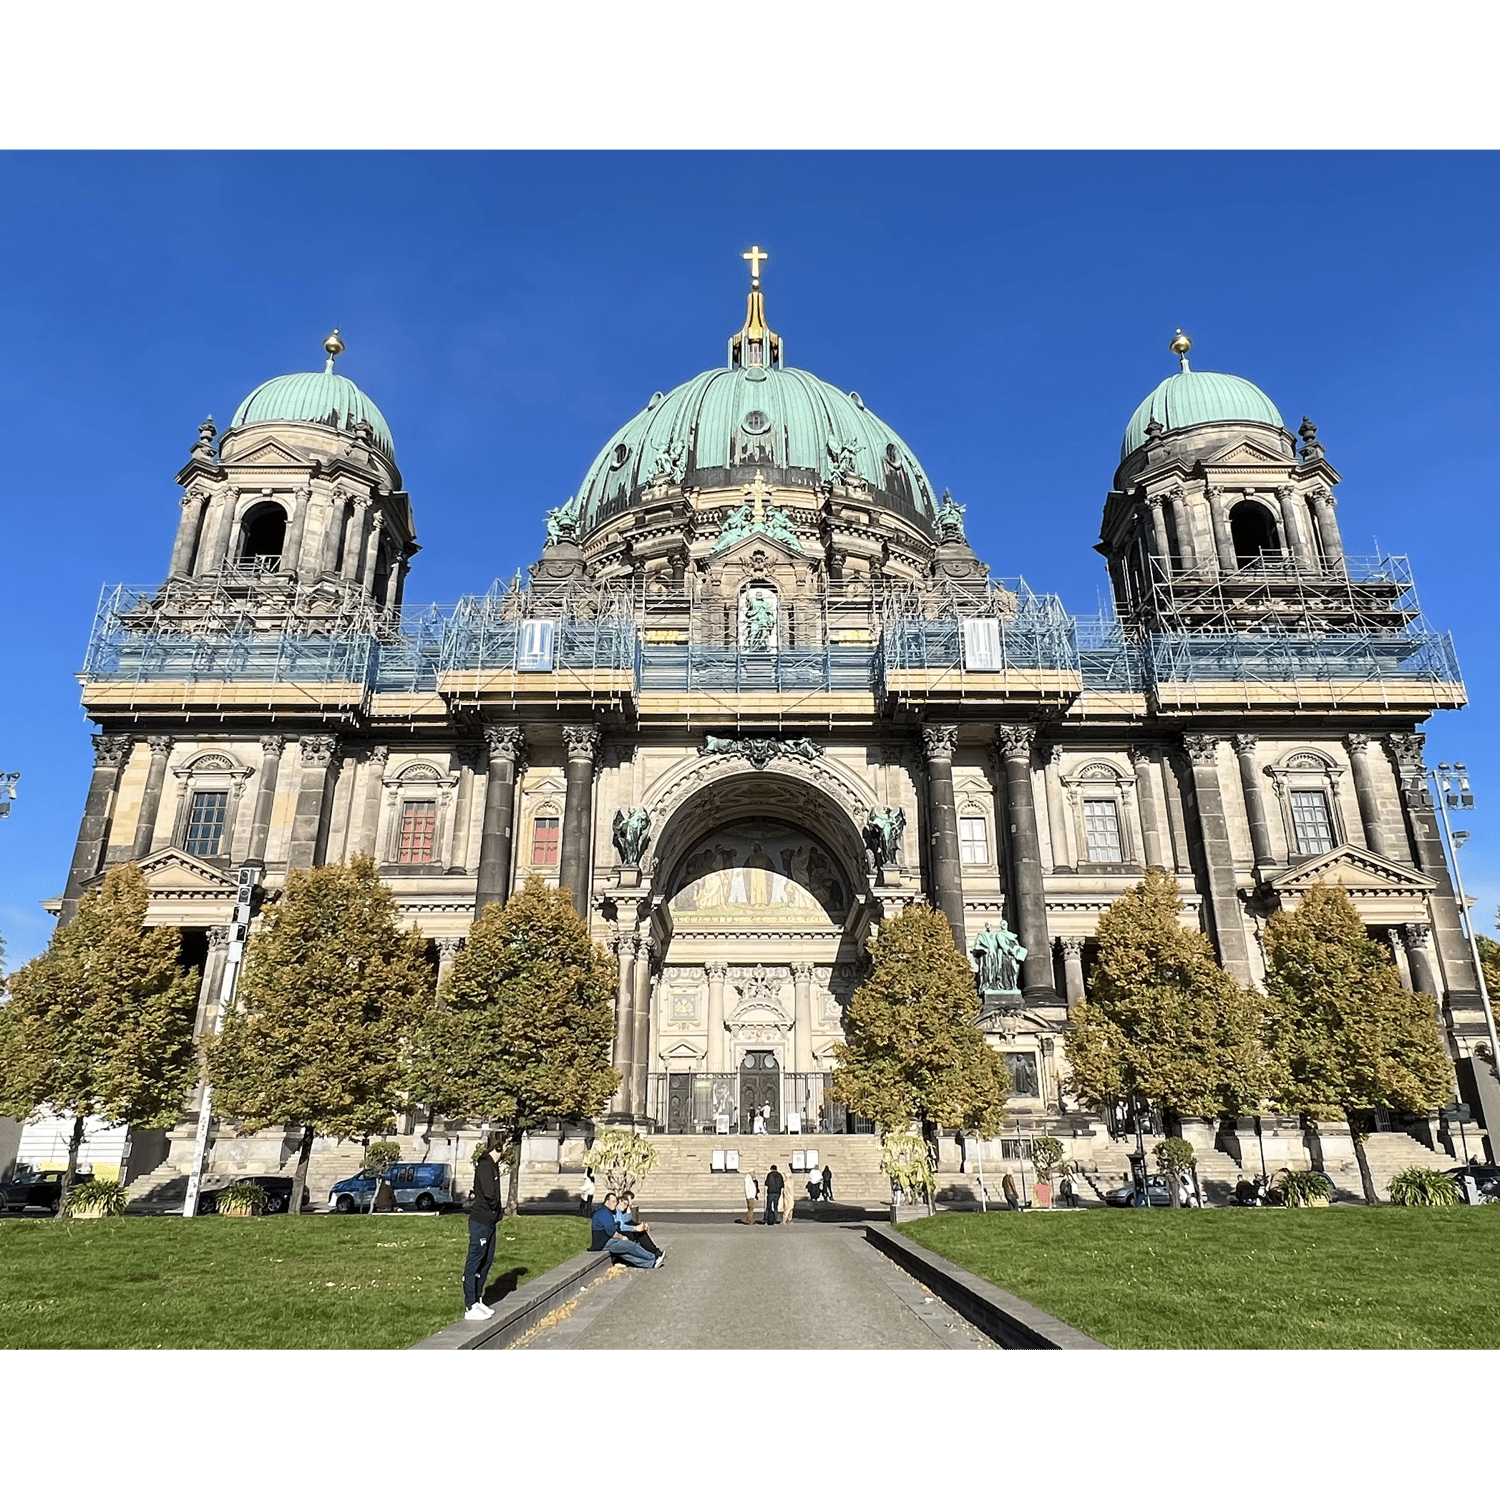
796,428
1195,396
318,396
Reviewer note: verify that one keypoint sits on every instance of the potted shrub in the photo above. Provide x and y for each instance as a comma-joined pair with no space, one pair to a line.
1304,1189
242,1200
98,1198
1046,1157
1422,1187
1174,1156
379,1155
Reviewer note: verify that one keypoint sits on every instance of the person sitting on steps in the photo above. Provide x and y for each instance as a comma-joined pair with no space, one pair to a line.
629,1224
606,1235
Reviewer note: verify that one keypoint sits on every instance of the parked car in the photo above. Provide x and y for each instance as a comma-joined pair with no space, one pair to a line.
41,1190
278,1192
1486,1180
1158,1189
426,1186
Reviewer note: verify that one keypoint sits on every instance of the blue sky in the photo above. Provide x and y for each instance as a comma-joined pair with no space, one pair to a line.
1004,312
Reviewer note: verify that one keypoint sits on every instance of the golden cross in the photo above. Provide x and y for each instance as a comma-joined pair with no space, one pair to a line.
755,255
758,491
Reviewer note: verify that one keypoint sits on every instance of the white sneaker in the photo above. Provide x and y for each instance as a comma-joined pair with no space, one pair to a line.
478,1313
661,1256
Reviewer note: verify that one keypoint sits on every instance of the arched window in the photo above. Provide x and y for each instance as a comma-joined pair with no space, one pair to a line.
1102,798
1253,531
1307,787
418,797
262,536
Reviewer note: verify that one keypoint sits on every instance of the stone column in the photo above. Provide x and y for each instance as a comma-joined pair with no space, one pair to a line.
210,980
271,746
319,751
1294,518
187,533
939,742
1161,542
717,974
1028,908
1358,746
372,552
354,536
1419,954
1149,804
160,746
291,547
504,746
802,975
1181,851
620,1055
462,811
111,752
364,836
1072,948
1224,902
640,1027
1057,824
218,530
1182,523
574,863
1245,746
1397,939
447,948
1218,515
1322,503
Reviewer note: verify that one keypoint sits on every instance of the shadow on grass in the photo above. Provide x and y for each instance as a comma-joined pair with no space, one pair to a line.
503,1286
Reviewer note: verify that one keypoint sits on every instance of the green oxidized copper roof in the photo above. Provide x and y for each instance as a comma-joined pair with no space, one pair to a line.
1194,396
795,417
318,396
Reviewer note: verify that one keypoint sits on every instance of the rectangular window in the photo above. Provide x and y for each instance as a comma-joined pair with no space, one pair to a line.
534,645
974,841
1311,823
1025,1082
418,830
982,645
1101,831
205,830
544,841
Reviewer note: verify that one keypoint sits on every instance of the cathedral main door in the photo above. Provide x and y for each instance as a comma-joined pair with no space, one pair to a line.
760,1089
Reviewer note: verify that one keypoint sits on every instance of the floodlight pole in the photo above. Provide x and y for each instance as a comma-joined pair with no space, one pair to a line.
1445,778
238,931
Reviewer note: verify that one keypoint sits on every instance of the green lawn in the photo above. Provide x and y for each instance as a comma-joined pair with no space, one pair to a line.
1340,1278
311,1282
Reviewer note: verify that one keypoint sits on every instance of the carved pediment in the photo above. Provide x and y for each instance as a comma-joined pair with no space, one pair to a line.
1382,890
172,874
269,452
774,553
1250,453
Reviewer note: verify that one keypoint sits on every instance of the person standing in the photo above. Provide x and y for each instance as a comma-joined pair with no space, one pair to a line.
827,1184
1008,1187
485,1208
752,1194
814,1184
586,1194
775,1182
1067,1191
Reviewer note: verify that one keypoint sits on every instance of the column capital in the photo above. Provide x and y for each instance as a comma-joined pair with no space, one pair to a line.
1245,744
802,973
318,749
1397,936
218,937
503,741
272,745
1214,492
1015,740
112,750
939,741
378,755
1417,935
1174,493
1356,744
160,744
1157,500
717,972
582,741
1140,755
1284,492
1072,947
448,947
1202,749
1407,749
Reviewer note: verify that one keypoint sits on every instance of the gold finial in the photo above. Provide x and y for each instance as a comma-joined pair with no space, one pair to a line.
335,347
755,344
1180,346
755,255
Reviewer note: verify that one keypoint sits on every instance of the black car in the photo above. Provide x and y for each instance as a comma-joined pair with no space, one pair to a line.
1486,1180
37,1190
278,1192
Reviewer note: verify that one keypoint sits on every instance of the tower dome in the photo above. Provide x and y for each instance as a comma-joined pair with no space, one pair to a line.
321,396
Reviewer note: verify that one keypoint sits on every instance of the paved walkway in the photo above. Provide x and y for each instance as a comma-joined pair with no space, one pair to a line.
735,1286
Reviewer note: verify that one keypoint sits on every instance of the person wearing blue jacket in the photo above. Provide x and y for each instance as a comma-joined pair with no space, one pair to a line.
606,1236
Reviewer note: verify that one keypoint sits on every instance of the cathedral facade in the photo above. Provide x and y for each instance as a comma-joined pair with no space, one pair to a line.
758,694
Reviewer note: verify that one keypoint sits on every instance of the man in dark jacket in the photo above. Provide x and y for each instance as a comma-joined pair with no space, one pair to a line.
775,1185
485,1210
606,1235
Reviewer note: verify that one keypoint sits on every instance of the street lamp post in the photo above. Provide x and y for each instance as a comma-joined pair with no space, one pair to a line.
1454,791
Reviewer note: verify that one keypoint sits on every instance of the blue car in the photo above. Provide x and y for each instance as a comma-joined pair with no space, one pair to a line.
426,1186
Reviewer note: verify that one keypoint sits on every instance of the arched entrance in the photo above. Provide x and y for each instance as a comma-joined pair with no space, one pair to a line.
760,897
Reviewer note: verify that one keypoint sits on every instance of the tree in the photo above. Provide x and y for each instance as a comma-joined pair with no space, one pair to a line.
1342,1035
102,1022
331,995
1163,1024
624,1157
905,1160
524,1024
911,1048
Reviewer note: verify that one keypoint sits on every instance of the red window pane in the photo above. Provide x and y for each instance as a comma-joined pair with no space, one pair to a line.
418,829
544,841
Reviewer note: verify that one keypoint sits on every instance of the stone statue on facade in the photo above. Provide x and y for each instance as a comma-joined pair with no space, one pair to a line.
562,520
883,829
950,520
632,832
843,461
778,527
760,622
760,752
670,464
998,956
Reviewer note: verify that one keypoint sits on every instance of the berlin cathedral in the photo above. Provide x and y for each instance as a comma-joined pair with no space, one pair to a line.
758,694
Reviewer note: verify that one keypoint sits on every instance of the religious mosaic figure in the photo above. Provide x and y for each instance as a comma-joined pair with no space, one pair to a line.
999,956
883,830
632,832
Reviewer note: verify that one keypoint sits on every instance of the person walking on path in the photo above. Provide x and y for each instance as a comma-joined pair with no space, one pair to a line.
827,1184
1008,1187
1066,1190
752,1194
775,1182
586,1194
605,1227
485,1209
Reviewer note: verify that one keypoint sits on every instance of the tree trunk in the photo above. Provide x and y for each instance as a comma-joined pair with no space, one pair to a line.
74,1143
513,1192
1365,1180
299,1172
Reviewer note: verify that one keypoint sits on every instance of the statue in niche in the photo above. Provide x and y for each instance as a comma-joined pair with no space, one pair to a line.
998,956
883,830
758,621
632,832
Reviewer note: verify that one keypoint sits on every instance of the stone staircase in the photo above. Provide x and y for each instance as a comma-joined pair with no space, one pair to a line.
1388,1152
683,1177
